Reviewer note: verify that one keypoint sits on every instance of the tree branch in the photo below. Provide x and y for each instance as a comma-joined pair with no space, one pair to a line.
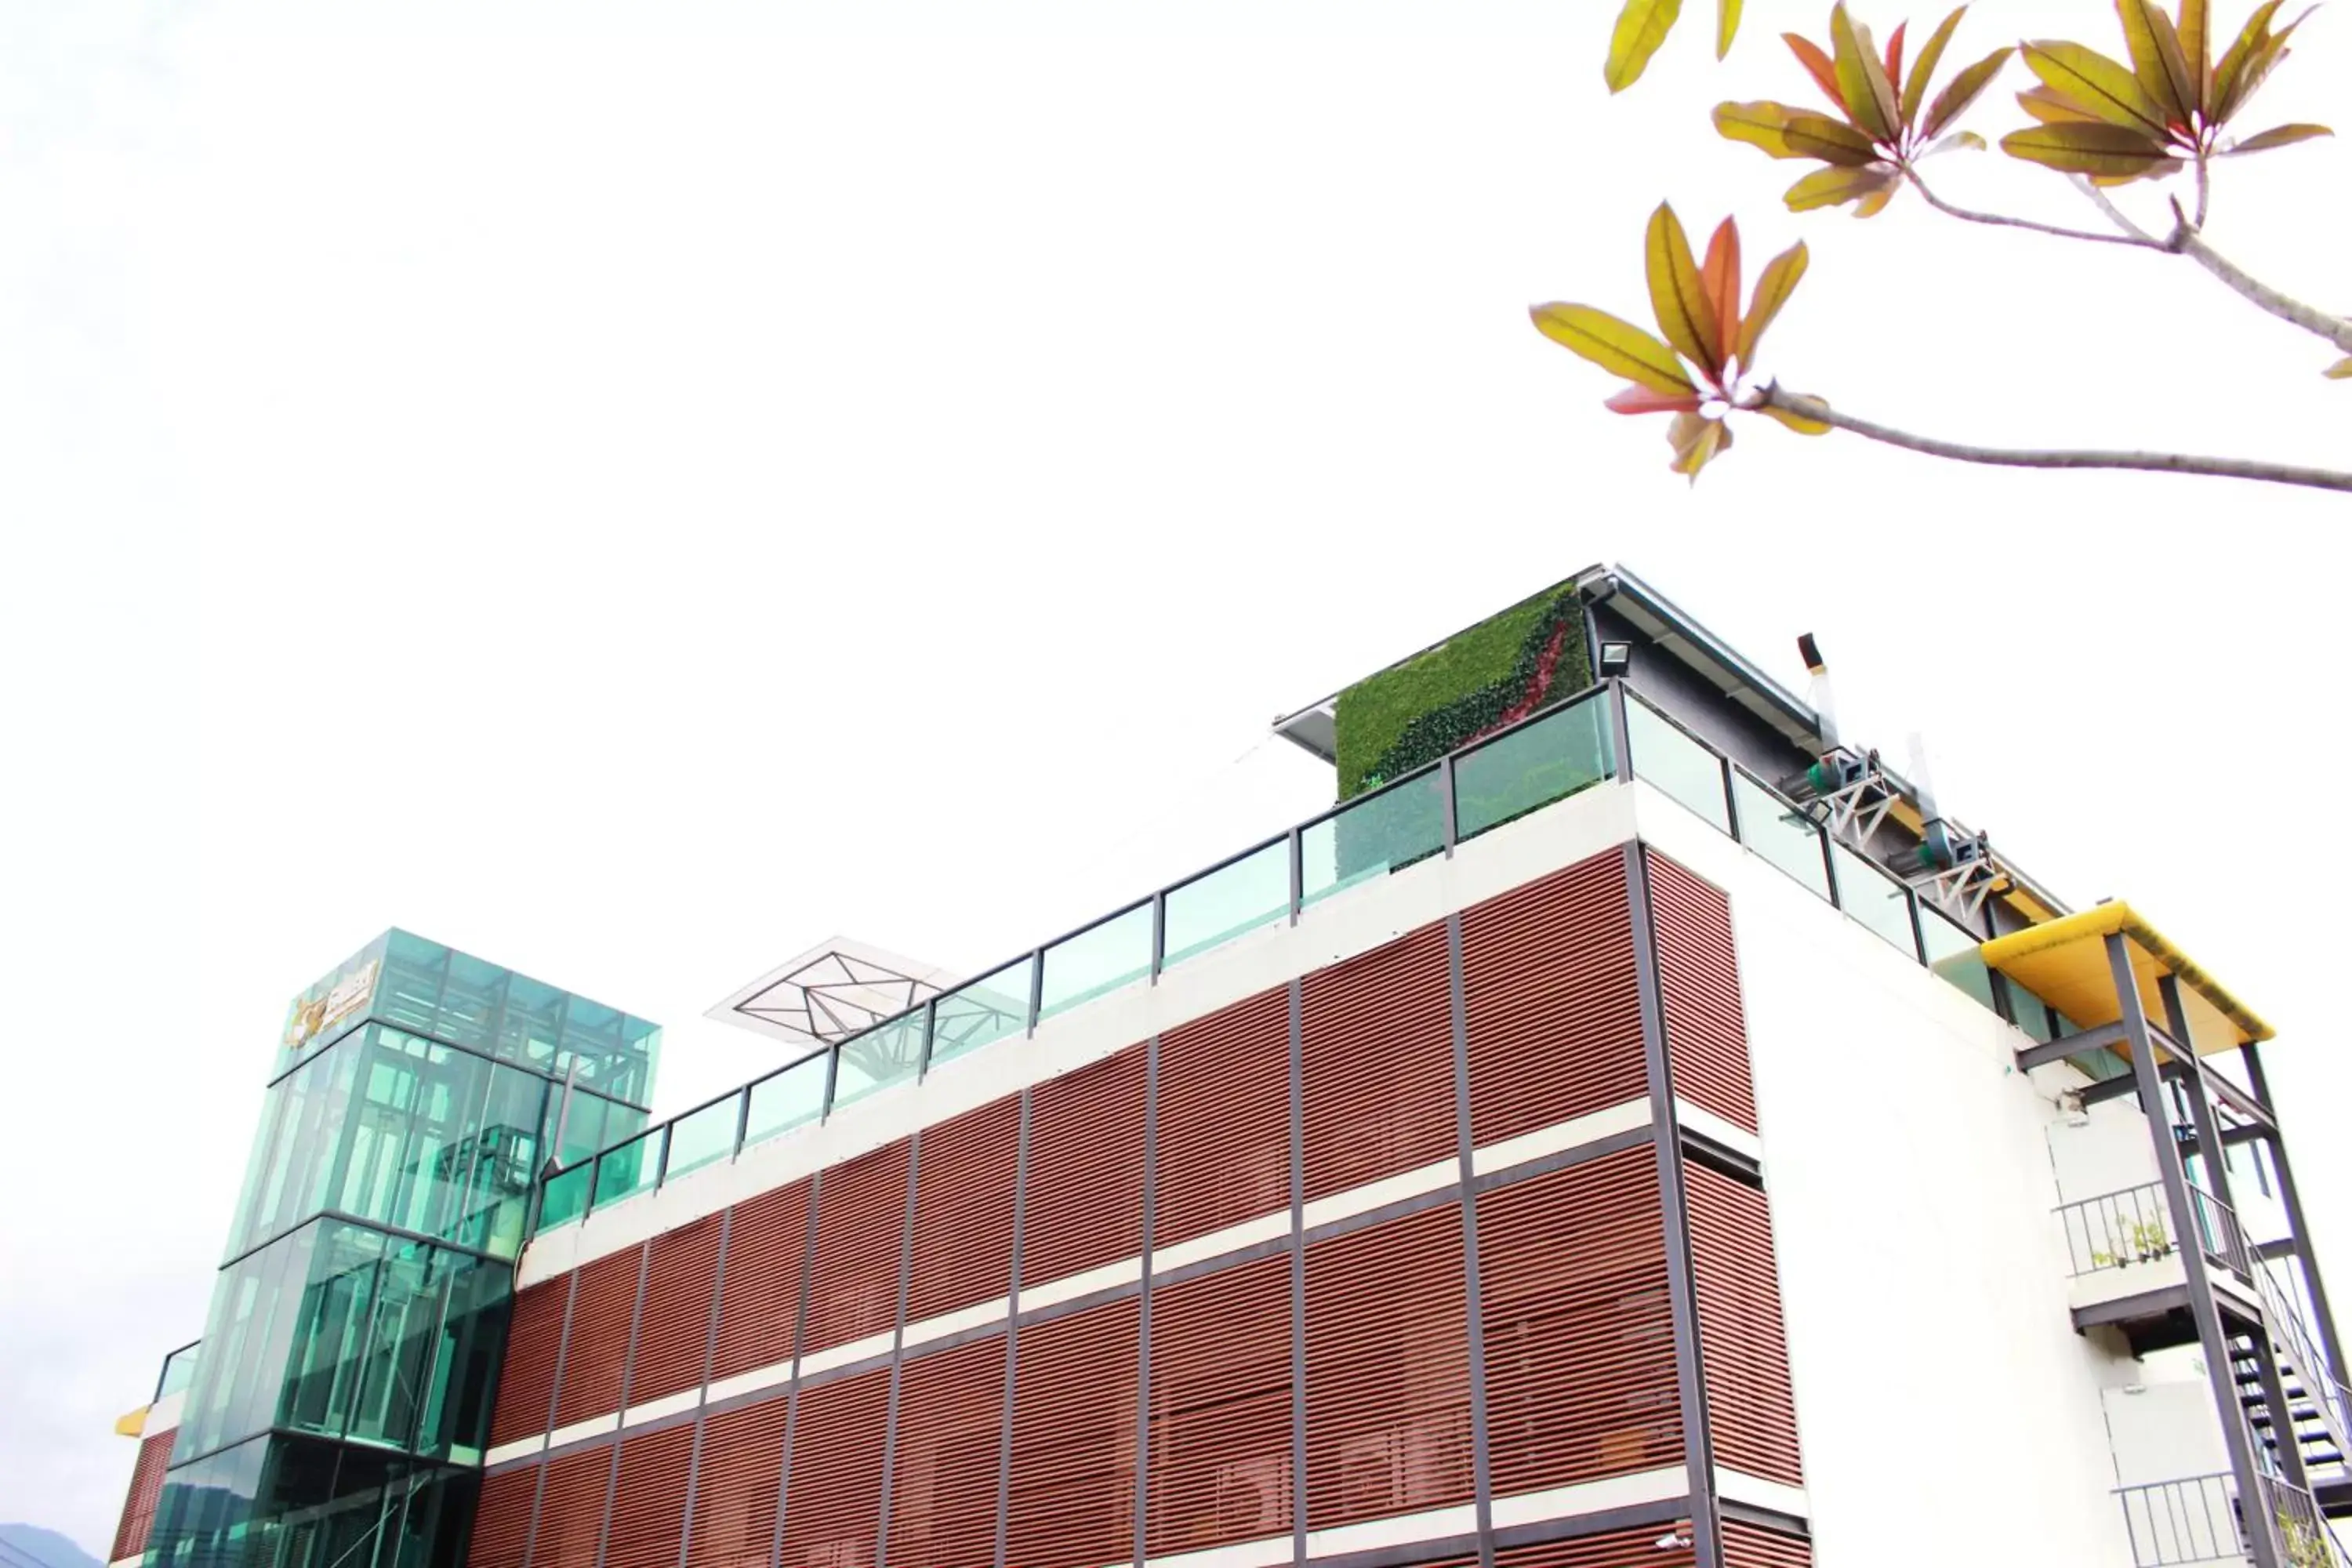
2001,221
1811,407
2189,242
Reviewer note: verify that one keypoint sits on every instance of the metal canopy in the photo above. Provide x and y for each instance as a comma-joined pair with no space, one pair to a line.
2064,963
839,988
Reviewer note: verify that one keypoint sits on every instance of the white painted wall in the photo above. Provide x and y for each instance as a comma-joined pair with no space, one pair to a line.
1949,1413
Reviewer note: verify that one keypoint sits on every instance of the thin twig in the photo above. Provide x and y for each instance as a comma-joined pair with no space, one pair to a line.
2189,242
2117,215
1809,407
2204,190
2001,221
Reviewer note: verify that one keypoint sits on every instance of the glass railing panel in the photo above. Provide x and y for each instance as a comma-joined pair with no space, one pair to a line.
1874,899
1101,958
1953,954
982,1011
179,1371
622,1172
703,1137
1251,891
1685,769
1533,765
793,1097
566,1195
890,1053
1373,836
1781,835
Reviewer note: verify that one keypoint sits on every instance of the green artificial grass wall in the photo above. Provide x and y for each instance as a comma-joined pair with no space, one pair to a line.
1508,664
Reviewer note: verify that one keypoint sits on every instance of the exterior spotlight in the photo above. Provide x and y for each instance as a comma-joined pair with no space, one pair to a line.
1671,1541
1616,658
2070,1105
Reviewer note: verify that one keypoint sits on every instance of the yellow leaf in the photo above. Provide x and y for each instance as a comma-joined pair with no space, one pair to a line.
1862,80
1962,90
2277,136
2099,150
2233,59
2254,72
2148,69
2054,108
2340,371
2197,48
1641,26
1678,293
1832,187
1698,442
2182,89
2096,83
1726,25
1914,89
1794,420
1773,286
1617,346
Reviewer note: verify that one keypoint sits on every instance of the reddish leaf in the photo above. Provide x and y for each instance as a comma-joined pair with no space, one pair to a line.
1809,55
1643,400
1720,272
1895,59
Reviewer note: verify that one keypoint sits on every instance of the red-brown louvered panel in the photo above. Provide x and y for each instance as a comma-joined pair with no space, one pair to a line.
1224,1119
1747,1546
1579,1332
832,1502
502,1519
649,1499
760,1298
1617,1549
598,1351
1221,1407
527,1376
1554,1008
1698,981
1750,1410
1072,1491
1388,1371
674,1330
861,1227
1376,1062
951,1431
963,1210
139,1505
571,1508
734,1523
1086,1170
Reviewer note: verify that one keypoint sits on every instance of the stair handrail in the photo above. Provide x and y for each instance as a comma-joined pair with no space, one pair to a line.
2327,1395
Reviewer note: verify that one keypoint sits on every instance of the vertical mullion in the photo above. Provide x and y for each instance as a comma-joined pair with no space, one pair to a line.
792,1398
628,1374
898,1346
1298,1271
702,1393
1012,1330
1473,1301
1143,1296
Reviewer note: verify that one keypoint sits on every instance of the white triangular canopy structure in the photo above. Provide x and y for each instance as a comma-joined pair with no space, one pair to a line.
836,989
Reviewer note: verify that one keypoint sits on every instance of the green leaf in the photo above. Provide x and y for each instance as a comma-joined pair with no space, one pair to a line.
2258,66
1915,89
2340,371
2146,60
1862,80
2277,136
2096,83
1963,90
1773,286
2097,149
1678,292
1641,26
1698,442
2183,88
1834,186
1726,25
1617,346
2197,48
2054,108
2233,59
1795,421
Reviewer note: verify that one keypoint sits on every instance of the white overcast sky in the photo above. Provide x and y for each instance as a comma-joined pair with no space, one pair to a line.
631,490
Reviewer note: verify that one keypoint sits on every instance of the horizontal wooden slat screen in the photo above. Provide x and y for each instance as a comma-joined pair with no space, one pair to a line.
1086,1169
1388,1369
951,1436
832,1502
527,1376
734,1523
1750,1406
649,1499
674,1329
590,1380
137,1520
1616,1549
1554,1008
502,1517
1377,1064
963,1210
1225,1120
1579,1332
1073,1481
861,1226
1748,1546
760,1298
572,1509
1698,985
1221,1408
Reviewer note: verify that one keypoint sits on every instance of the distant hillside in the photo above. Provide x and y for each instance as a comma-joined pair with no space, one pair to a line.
30,1546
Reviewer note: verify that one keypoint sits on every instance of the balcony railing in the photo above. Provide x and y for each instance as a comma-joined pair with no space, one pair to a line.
2119,1229
2193,1520
2305,1539
1542,759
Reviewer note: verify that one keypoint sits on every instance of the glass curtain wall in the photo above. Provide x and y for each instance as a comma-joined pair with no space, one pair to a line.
301,1503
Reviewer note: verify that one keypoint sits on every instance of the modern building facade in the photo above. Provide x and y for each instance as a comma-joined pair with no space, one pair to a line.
1632,1128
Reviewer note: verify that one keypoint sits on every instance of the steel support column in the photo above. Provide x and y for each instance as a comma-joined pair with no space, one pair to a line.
2331,1344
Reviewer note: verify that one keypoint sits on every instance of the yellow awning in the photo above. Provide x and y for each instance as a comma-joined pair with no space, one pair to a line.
133,1425
2064,963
